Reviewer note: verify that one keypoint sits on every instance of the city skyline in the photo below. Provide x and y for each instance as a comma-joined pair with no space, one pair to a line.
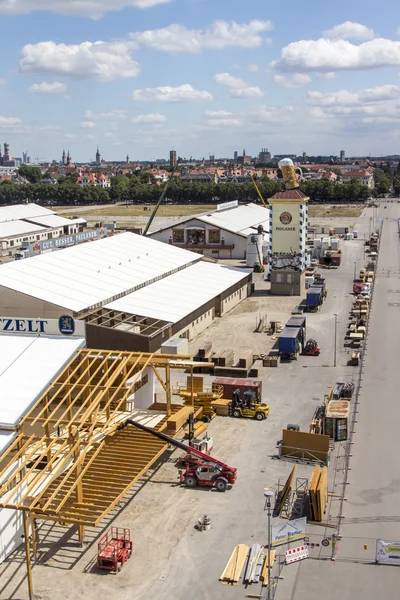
143,77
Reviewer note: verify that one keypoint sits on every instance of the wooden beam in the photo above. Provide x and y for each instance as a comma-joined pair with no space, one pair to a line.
28,554
168,388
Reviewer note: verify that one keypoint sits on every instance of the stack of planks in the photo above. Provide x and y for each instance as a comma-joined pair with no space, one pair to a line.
234,567
221,407
318,493
264,572
176,421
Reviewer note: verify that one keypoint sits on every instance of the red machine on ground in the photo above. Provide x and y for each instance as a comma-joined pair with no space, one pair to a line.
114,548
311,348
209,472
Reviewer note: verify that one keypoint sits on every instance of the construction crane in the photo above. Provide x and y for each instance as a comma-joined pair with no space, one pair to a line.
258,191
210,472
161,198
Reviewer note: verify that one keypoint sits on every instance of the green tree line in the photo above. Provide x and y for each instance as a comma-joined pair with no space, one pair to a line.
139,190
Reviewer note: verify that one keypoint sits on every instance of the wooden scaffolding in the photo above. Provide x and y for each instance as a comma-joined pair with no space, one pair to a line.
69,463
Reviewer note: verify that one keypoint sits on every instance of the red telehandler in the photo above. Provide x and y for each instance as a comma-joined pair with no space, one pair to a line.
209,472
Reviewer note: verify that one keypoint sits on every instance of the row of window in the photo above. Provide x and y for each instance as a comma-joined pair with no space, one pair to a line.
197,236
205,315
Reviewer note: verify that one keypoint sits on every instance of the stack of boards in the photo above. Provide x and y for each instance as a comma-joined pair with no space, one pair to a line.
318,493
256,565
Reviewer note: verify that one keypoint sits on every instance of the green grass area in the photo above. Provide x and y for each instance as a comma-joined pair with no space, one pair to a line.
140,210
341,210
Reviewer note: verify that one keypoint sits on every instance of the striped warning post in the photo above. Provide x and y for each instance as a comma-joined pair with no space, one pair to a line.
296,554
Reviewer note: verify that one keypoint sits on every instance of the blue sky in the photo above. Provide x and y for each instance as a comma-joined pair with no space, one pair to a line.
200,76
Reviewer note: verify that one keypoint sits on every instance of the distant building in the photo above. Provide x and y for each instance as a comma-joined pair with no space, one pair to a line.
363,177
6,157
305,156
98,157
64,158
264,156
212,157
342,156
127,158
172,158
235,155
68,158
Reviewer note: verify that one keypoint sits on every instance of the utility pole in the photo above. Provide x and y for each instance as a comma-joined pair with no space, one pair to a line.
268,494
355,269
334,361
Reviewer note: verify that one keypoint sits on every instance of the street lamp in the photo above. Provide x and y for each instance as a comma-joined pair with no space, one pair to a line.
334,361
268,495
355,269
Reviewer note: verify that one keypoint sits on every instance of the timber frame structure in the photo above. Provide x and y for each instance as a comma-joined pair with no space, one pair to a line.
69,463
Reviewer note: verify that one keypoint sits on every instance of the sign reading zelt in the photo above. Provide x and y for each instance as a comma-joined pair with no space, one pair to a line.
388,552
290,531
66,325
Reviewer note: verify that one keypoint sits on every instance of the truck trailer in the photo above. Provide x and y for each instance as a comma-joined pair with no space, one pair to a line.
289,343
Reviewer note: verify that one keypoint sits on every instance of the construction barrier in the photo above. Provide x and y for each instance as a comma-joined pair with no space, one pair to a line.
296,554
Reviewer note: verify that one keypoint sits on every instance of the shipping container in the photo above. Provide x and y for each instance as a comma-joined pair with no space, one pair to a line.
298,322
230,384
288,342
314,296
337,420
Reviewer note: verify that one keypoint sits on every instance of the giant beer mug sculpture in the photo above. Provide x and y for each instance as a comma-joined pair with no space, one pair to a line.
290,178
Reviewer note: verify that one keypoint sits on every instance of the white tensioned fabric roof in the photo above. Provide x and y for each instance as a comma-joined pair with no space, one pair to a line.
88,275
13,228
22,211
239,219
174,297
52,221
27,365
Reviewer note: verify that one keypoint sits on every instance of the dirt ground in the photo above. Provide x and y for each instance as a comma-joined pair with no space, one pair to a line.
334,211
171,559
140,210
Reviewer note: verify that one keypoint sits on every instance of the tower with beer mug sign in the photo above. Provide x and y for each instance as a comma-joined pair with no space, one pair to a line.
288,234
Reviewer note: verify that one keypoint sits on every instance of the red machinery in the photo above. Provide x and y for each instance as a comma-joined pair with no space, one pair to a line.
114,548
311,348
209,472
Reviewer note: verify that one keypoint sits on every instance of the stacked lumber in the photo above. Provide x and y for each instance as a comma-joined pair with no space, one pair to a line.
234,567
199,428
247,361
287,488
221,407
318,493
176,421
264,572
226,358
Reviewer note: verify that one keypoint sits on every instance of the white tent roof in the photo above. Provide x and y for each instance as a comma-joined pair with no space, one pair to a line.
239,219
14,228
27,366
91,274
173,298
22,211
52,221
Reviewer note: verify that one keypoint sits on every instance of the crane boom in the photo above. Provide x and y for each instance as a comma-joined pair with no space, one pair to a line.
258,191
169,440
161,198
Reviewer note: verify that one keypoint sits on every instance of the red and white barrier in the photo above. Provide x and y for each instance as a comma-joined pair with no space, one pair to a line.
295,554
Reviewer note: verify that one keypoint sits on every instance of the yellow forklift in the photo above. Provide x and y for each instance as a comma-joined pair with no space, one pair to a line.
248,406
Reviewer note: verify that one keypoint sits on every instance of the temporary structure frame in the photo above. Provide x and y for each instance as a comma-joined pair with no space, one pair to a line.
68,462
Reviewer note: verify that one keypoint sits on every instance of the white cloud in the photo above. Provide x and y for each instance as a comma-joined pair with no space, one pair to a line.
109,135
218,114
2,81
89,8
69,136
253,68
221,34
349,29
90,137
329,75
149,118
181,93
48,88
104,61
293,81
338,55
345,98
88,124
237,87
10,122
114,114
370,105
271,114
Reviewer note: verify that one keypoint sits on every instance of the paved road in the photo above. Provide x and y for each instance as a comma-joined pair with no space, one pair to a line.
372,508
